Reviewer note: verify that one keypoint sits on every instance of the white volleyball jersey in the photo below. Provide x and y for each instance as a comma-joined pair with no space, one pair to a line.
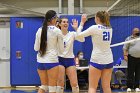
101,40
51,55
65,47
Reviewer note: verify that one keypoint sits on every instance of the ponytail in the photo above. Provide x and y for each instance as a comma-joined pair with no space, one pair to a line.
50,15
43,43
107,19
104,18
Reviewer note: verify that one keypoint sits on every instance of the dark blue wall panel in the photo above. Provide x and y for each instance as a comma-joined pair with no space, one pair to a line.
122,28
34,24
24,70
19,42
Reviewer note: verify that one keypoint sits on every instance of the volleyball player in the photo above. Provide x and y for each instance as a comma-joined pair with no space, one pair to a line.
101,62
47,57
66,56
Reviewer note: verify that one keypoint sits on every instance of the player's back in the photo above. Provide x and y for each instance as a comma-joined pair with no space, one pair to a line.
102,37
101,40
52,40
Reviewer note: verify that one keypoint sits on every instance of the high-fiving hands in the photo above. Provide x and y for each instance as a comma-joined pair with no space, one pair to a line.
83,19
74,24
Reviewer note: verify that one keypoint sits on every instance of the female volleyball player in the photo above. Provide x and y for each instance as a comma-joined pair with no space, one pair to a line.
101,58
47,57
66,56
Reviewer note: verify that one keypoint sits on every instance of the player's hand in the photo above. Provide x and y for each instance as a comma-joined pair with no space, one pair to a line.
83,19
74,24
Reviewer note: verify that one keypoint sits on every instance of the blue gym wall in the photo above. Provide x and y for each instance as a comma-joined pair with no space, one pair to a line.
122,28
24,72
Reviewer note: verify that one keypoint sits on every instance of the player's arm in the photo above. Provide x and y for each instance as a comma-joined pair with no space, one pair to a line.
37,41
75,26
58,33
86,32
78,38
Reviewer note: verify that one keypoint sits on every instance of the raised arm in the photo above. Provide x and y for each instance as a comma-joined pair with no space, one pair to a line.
86,32
74,24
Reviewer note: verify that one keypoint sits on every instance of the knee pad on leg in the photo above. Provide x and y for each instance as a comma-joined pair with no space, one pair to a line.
52,89
60,89
75,89
44,87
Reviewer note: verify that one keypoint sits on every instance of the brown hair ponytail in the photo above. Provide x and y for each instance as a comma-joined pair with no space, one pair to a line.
104,17
48,17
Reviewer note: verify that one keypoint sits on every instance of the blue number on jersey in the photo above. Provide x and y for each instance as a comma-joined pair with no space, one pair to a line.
64,44
51,27
106,36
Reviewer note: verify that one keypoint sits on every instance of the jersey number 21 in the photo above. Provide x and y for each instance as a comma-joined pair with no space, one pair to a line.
106,36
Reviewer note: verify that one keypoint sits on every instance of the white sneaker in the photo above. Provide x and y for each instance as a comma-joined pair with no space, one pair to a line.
129,90
137,90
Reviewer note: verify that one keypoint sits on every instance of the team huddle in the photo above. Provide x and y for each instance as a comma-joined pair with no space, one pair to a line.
55,57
